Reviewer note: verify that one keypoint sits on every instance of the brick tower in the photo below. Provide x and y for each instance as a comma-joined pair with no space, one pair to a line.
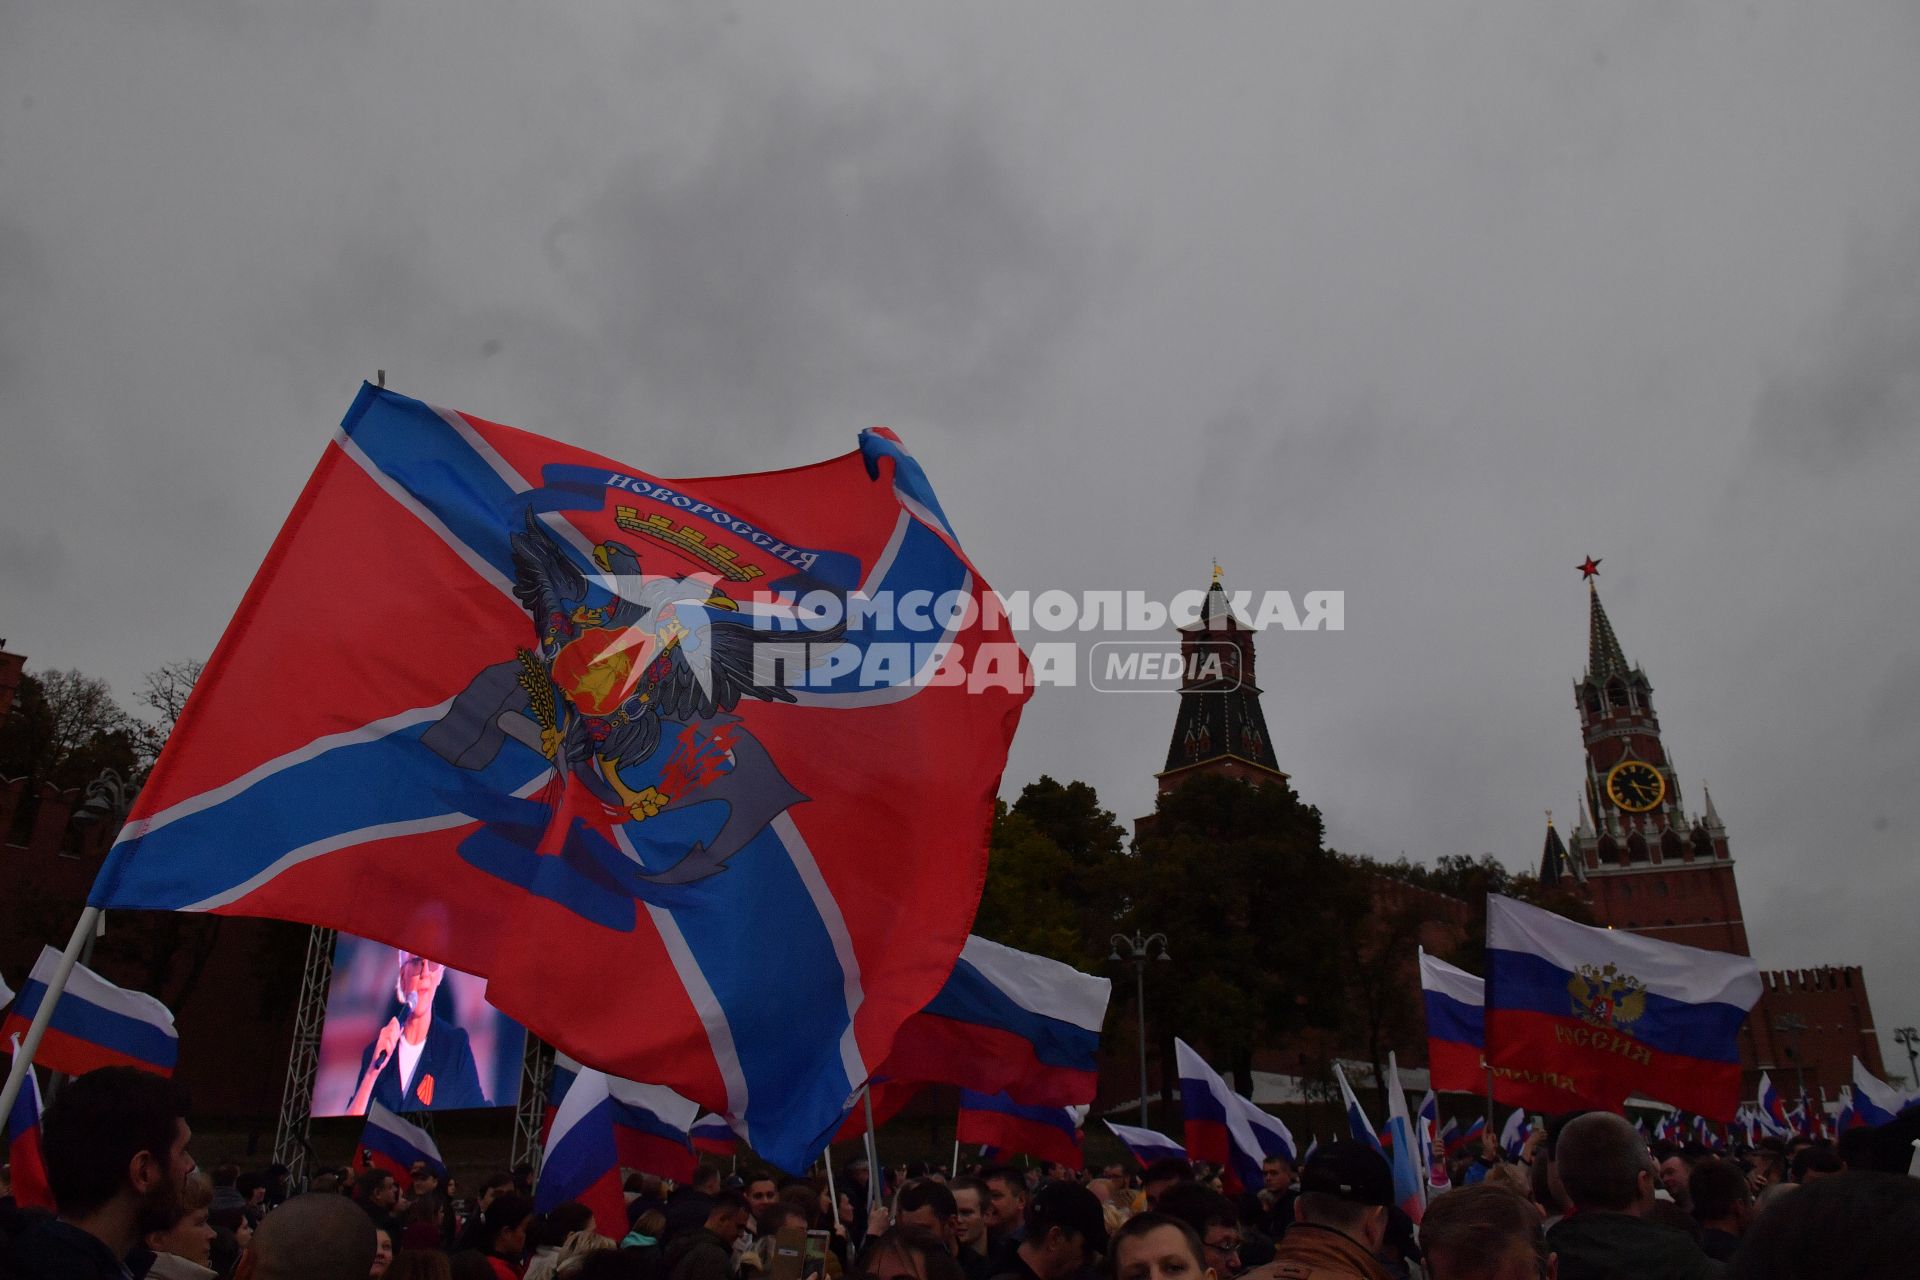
1645,866
1220,727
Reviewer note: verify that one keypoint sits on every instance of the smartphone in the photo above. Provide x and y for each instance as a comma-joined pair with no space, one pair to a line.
789,1244
815,1263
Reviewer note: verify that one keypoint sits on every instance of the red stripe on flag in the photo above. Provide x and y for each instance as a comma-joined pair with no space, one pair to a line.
1538,1055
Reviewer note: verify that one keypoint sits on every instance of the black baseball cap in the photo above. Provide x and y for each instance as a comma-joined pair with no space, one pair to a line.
1349,1171
1071,1207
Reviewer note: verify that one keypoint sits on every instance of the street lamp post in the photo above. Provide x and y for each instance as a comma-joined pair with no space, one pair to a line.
1139,949
1906,1038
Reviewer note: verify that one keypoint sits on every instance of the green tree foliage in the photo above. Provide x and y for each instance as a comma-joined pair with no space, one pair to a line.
1256,911
1471,880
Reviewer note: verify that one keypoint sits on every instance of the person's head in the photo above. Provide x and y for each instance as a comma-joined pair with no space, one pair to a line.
706,1180
930,1206
1347,1187
1720,1196
494,1186
1863,1226
424,1178
1212,1217
1156,1246
382,1252
229,1214
1484,1233
763,1193
252,1187
1814,1162
1674,1172
505,1224
1006,1197
1066,1229
1162,1174
376,1191
969,1211
1276,1174
420,1264
225,1175
420,978
314,1237
190,1236
118,1136
907,1253
1605,1166
727,1215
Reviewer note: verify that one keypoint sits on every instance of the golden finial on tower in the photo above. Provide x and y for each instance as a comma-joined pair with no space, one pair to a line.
1216,571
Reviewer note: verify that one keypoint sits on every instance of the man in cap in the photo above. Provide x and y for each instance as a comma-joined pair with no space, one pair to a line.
1066,1233
1339,1220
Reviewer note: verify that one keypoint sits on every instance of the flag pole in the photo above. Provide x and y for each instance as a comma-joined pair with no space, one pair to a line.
873,1153
956,1159
833,1195
17,1073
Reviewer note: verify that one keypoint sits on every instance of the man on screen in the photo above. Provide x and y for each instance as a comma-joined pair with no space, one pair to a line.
418,1062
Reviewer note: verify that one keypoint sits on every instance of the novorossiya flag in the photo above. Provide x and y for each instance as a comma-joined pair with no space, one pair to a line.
698,774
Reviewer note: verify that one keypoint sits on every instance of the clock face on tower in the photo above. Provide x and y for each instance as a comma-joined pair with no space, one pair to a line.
1635,786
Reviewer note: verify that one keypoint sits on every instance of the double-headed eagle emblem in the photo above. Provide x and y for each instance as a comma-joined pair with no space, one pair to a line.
1606,997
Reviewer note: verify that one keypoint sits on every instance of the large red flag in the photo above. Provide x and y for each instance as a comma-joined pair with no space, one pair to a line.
698,774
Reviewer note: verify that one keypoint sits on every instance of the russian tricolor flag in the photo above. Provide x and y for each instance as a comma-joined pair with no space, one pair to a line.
1604,1013
1357,1123
1773,1112
95,1024
1514,1134
1147,1145
1455,1001
29,1172
391,1143
711,1133
1408,1149
1007,1022
1045,1133
1456,1143
1875,1102
1219,1129
603,1124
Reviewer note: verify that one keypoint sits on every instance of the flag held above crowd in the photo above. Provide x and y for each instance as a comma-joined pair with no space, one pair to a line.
713,1135
96,1024
391,1143
1042,1133
1007,1021
1147,1145
1456,1028
1604,1013
27,1167
528,674
1875,1102
1358,1125
1409,1149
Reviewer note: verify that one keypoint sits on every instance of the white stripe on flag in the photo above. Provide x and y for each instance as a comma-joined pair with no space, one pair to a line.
1438,976
88,987
1040,985
1690,975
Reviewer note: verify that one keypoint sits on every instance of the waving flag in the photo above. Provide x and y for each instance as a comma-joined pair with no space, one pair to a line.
1147,1145
29,1166
1875,1102
713,1135
393,1144
96,1024
1220,1124
1514,1134
1604,1013
1456,1027
1007,1021
1408,1150
1357,1123
581,1160
6,993
1772,1111
1045,1133
709,732
651,1124
1270,1133
1467,1137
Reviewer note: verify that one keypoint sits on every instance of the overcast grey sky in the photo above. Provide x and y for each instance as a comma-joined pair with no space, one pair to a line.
1423,303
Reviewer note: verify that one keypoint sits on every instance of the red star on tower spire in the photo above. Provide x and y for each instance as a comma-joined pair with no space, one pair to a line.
1590,569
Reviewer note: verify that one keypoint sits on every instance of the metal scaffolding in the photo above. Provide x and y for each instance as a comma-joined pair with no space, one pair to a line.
290,1145
536,1076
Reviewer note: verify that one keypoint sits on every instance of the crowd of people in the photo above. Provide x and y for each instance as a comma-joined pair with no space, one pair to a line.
1586,1199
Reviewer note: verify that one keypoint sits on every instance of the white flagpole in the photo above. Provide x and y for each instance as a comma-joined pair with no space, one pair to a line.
873,1154
956,1159
17,1073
